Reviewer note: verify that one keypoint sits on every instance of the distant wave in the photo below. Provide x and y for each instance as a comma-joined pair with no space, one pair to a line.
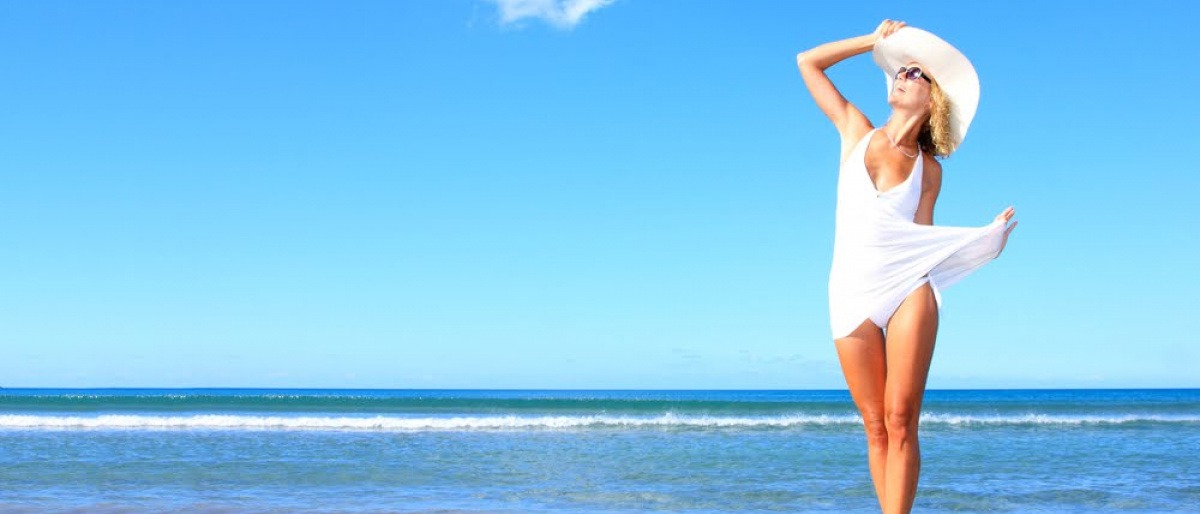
411,405
509,422
1054,419
221,421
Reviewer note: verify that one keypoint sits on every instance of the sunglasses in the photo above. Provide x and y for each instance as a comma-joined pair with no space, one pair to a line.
913,73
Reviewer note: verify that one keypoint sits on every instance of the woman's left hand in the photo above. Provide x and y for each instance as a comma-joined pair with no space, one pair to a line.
1006,215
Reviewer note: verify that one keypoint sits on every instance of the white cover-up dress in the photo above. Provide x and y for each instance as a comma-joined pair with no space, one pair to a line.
880,254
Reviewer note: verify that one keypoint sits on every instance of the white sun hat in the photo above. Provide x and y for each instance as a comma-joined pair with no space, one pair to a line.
945,64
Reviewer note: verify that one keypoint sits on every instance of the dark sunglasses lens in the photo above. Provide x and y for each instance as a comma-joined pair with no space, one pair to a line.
914,73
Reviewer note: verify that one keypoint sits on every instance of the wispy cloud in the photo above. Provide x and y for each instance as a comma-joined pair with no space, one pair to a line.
564,14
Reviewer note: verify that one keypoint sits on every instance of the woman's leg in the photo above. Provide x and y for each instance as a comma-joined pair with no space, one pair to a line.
910,338
863,363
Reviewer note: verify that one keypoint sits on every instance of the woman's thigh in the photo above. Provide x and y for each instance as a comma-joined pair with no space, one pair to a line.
864,365
911,333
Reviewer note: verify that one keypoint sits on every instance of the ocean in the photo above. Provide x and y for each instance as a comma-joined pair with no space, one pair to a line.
337,450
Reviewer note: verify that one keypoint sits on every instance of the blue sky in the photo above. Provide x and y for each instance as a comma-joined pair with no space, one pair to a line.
628,194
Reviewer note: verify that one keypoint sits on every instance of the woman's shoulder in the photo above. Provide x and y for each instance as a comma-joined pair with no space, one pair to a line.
855,129
931,172
930,162
852,134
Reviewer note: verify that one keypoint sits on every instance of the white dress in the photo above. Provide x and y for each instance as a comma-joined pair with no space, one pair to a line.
880,254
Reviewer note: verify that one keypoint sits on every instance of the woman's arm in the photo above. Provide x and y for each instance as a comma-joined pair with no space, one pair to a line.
812,63
931,185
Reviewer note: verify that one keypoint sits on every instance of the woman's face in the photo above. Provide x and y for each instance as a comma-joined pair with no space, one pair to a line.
911,94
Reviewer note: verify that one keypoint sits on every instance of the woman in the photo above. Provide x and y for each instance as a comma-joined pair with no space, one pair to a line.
889,261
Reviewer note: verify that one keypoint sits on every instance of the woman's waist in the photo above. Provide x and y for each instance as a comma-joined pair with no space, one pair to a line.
869,210
857,259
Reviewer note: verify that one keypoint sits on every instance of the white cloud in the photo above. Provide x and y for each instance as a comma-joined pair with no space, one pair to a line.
564,14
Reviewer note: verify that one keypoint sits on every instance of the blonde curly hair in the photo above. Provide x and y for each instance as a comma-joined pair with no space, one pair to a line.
935,138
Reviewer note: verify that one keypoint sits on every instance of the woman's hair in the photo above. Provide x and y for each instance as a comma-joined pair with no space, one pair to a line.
935,136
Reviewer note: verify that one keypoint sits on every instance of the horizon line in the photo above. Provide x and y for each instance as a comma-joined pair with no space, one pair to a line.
588,389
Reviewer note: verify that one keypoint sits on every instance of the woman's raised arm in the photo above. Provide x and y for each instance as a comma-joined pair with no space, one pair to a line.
812,63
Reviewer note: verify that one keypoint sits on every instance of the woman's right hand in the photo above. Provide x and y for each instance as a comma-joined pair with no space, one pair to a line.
886,28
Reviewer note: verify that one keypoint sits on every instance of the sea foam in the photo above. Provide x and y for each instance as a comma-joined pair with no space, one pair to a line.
510,422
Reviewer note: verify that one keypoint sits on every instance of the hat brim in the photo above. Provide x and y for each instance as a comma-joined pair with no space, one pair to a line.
947,65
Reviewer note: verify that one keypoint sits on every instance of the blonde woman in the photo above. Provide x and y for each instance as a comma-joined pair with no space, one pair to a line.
889,260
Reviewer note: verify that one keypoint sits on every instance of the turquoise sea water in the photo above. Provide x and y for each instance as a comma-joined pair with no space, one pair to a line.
250,450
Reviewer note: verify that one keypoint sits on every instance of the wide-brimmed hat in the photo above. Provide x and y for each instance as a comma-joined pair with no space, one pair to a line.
945,64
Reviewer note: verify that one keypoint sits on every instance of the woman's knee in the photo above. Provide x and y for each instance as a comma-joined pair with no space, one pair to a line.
877,433
901,422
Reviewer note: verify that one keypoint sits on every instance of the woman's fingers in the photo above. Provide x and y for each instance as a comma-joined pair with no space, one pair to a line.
882,29
888,27
1007,214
